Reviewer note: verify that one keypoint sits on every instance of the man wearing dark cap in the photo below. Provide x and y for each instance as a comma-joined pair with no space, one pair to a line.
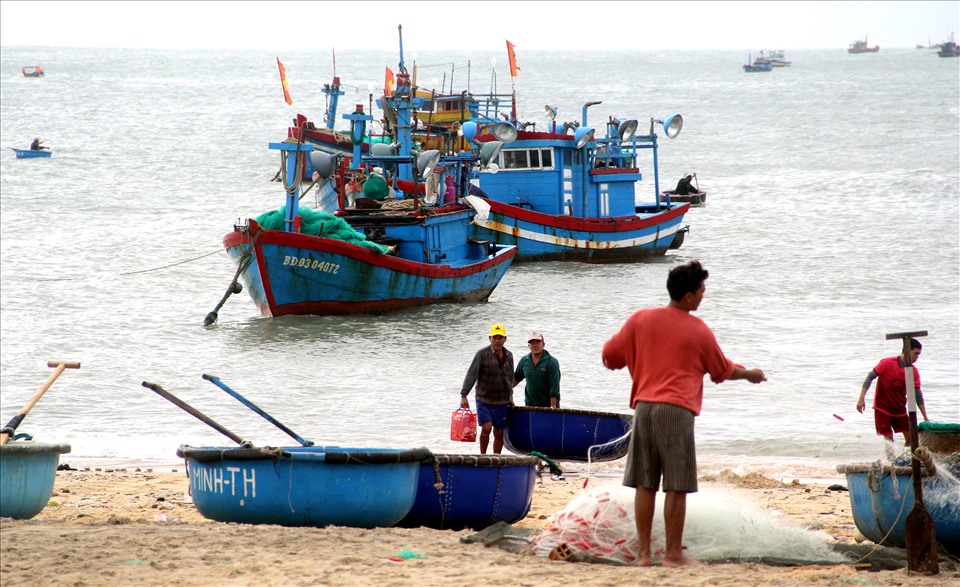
541,371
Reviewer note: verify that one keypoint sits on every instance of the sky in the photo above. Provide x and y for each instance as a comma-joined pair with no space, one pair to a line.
480,26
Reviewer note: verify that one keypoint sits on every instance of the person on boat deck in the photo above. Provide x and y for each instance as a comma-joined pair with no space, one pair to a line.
890,400
684,188
541,371
492,372
668,351
36,146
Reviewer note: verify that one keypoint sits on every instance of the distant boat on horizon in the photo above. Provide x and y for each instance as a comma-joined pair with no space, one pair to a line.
862,47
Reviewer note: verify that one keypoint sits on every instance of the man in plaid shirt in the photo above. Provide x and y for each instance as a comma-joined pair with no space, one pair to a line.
492,372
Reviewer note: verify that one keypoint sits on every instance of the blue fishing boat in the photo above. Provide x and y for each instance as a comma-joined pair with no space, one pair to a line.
565,434
881,497
31,153
477,491
304,485
397,246
27,473
560,194
752,66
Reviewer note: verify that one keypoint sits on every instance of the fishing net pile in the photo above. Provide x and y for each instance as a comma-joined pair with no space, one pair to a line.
720,526
314,222
599,522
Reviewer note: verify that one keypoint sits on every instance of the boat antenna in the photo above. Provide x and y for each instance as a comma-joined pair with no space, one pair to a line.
334,49
403,69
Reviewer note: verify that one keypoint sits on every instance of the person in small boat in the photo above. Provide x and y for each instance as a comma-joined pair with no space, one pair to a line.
541,371
492,372
684,188
890,400
36,146
668,351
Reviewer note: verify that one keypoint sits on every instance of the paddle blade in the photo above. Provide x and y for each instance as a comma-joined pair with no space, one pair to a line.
921,538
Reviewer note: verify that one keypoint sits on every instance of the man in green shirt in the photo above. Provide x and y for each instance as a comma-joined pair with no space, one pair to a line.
542,373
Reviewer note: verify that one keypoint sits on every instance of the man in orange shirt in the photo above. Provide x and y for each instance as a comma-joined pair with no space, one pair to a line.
668,351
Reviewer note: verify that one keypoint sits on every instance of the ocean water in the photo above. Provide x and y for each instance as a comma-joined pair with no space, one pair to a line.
832,219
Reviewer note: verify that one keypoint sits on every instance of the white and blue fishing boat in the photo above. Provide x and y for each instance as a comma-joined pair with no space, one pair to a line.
561,194
757,66
304,485
567,434
368,255
477,491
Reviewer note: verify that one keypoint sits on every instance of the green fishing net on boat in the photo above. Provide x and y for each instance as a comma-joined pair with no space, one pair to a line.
376,188
321,224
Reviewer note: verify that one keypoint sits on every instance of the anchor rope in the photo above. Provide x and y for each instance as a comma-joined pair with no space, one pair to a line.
172,264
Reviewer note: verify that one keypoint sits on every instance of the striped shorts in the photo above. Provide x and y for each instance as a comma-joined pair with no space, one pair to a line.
662,444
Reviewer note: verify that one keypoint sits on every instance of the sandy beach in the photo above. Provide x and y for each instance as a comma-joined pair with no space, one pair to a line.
140,527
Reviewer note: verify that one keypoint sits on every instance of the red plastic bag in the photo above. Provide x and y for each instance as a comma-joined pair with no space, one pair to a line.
463,425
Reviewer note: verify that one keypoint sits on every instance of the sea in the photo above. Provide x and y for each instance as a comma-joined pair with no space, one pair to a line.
832,219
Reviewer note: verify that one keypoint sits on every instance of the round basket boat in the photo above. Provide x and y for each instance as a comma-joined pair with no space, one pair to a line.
27,473
941,438
477,491
564,434
304,486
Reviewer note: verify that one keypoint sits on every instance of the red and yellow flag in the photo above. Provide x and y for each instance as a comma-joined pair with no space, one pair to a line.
388,83
283,81
513,60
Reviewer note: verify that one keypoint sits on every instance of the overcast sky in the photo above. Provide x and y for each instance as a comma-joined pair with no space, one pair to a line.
531,26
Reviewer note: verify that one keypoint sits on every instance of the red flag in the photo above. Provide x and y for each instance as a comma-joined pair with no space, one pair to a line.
388,83
283,81
513,60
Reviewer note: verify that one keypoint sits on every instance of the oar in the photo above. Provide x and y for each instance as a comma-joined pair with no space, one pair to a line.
7,432
195,412
920,531
216,381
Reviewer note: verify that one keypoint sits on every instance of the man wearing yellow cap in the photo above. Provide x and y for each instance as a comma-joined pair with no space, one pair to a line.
492,372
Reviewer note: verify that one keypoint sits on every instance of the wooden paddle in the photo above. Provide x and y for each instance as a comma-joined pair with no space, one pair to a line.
195,413
11,426
921,533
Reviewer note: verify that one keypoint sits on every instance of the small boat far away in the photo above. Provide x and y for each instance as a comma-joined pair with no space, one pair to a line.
949,48
862,47
32,71
752,66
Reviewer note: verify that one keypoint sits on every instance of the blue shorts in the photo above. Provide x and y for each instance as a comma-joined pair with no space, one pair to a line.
489,413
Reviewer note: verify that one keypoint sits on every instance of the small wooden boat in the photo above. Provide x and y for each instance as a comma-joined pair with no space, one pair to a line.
32,71
478,491
304,485
27,473
564,434
31,153
881,497
695,200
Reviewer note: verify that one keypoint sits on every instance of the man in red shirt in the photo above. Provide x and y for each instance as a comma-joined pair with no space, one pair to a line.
668,351
890,400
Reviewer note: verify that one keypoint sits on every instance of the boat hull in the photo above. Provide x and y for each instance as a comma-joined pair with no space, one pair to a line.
294,273
564,434
304,486
32,154
478,491
546,237
27,473
881,498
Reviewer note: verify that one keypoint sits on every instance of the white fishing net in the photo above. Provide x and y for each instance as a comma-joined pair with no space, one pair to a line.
720,525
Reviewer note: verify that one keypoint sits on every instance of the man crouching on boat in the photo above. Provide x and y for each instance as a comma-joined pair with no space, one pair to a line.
492,372
668,351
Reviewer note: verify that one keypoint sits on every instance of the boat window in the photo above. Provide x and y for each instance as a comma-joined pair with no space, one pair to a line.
526,159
